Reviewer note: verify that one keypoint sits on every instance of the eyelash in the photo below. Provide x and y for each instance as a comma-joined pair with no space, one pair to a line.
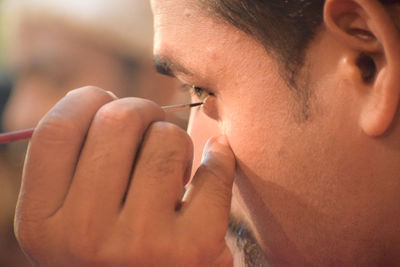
204,95
197,91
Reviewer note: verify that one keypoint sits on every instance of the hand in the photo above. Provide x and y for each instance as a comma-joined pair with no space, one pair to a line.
103,182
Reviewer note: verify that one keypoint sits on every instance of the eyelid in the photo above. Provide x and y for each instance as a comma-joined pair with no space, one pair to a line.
209,106
197,91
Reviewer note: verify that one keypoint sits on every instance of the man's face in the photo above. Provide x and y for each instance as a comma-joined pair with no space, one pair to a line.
301,182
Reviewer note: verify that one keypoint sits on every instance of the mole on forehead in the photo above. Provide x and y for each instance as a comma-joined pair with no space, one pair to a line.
195,8
212,52
187,12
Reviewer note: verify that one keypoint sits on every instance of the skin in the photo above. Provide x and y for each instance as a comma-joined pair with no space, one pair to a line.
315,191
300,198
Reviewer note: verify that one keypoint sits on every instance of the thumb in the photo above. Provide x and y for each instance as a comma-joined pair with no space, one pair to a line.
210,192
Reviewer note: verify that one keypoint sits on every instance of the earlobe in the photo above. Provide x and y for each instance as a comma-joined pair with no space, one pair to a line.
366,28
381,104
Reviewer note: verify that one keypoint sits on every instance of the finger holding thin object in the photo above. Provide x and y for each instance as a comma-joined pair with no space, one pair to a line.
107,158
56,146
9,137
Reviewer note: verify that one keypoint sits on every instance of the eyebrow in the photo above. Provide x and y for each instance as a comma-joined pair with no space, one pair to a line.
167,66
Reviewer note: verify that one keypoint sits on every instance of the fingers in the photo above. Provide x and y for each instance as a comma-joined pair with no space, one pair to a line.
106,161
162,167
90,152
53,152
209,195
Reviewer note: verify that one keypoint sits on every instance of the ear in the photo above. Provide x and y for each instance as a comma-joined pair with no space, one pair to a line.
367,28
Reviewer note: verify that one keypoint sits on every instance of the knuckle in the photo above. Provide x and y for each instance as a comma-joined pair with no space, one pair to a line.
56,128
167,129
119,113
167,165
174,146
170,135
90,92
126,113
87,90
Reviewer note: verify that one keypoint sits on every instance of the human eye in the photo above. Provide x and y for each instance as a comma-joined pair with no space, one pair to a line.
197,91
206,97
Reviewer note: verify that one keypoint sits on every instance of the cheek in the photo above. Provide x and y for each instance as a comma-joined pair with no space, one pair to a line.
247,142
257,127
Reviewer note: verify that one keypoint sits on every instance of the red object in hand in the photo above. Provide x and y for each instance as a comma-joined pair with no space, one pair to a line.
27,133
15,136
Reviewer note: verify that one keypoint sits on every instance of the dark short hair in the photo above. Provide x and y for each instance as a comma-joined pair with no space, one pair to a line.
284,27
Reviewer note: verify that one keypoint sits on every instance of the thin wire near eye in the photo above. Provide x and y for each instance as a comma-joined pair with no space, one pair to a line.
196,91
206,97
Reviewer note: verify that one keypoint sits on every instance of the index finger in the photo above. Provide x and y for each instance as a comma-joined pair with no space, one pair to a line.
54,150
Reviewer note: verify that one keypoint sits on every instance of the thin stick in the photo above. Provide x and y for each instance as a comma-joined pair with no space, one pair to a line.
180,107
27,133
15,136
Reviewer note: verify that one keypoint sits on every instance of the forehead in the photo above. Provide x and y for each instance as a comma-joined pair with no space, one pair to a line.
167,11
185,32
184,22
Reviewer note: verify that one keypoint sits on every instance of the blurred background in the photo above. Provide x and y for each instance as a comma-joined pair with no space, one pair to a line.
49,47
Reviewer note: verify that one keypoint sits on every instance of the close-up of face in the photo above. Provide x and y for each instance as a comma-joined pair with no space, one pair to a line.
307,164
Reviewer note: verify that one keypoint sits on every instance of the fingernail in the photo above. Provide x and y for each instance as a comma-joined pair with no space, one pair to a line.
205,153
222,140
206,149
209,147
112,94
